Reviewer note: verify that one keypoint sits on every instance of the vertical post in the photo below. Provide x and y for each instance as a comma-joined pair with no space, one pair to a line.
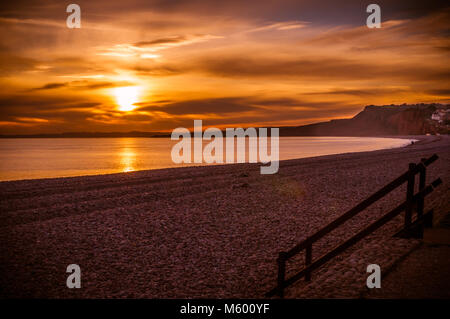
422,179
308,259
281,273
409,195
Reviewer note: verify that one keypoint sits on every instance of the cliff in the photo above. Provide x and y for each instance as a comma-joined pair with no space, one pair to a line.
379,120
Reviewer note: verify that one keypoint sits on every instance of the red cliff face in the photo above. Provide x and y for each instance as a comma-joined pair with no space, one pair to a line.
379,120
397,120
412,122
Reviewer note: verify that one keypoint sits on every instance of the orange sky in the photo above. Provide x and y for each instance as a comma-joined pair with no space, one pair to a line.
157,65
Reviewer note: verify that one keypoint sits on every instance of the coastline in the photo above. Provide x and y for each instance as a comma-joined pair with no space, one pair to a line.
201,232
56,171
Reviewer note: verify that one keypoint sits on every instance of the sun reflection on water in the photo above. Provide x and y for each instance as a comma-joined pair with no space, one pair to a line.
127,160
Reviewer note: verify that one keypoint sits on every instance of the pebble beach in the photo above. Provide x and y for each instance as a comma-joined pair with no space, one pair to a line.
207,232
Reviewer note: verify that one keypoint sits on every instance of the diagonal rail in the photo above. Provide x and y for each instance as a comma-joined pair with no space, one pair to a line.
407,206
360,207
353,240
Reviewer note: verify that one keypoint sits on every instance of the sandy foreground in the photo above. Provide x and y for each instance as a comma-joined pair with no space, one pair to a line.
206,232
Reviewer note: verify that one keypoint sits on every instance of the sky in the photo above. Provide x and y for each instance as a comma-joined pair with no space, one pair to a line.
155,65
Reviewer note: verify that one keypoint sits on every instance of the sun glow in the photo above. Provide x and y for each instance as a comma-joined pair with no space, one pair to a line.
126,97
127,160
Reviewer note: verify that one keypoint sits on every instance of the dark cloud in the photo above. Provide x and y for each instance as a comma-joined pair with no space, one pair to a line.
172,41
443,92
34,113
204,106
87,85
168,40
324,11
277,116
315,68
36,105
159,70
11,63
50,86
76,65
83,85
300,105
393,35
241,104
286,101
137,117
363,92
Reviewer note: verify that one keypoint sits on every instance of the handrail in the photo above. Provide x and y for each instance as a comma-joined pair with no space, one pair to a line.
407,206
356,238
358,208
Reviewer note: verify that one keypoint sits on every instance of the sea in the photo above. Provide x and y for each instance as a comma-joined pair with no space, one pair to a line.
32,158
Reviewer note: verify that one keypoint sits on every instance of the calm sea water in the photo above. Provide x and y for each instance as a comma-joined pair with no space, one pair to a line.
60,157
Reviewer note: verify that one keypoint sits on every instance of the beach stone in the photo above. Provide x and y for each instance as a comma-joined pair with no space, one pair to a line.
197,232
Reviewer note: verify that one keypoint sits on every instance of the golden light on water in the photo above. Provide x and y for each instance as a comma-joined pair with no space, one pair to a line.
126,97
127,160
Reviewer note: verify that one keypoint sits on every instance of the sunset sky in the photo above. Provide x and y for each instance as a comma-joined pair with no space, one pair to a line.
157,65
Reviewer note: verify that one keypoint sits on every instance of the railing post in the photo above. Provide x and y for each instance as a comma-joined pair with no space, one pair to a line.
281,273
409,195
422,180
407,206
308,260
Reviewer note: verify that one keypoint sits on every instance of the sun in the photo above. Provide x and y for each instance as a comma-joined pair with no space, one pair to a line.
126,97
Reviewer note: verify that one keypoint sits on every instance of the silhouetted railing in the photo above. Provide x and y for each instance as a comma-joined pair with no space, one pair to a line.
407,206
